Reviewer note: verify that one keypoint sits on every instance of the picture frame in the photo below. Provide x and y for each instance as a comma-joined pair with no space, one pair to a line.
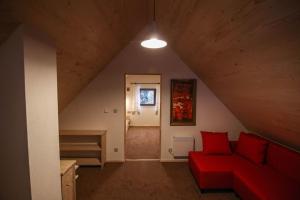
147,96
183,102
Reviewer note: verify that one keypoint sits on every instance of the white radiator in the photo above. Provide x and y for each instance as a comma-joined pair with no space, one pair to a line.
182,145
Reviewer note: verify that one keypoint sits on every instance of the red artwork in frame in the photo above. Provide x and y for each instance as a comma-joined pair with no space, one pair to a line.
183,102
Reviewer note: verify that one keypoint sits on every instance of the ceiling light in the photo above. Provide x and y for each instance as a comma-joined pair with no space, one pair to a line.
154,43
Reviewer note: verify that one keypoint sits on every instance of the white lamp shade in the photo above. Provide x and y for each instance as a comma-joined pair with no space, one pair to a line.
154,43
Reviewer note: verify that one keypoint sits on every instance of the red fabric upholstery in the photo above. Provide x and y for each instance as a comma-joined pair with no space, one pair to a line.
215,143
252,147
192,164
284,160
233,145
212,171
239,184
275,180
262,182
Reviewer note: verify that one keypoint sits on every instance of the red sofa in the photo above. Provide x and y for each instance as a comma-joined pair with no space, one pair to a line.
277,178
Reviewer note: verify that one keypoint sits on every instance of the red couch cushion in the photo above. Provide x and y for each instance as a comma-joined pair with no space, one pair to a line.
212,171
278,179
284,160
262,182
249,180
215,143
252,147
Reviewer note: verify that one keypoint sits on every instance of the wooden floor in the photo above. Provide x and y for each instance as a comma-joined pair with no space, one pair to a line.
142,180
143,143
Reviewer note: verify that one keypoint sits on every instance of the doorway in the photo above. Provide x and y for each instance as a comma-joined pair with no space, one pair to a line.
143,116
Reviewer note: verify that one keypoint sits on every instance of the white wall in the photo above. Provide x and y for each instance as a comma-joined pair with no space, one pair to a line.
107,91
145,115
42,116
29,118
14,170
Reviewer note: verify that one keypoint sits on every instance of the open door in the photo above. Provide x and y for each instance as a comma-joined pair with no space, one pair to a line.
143,117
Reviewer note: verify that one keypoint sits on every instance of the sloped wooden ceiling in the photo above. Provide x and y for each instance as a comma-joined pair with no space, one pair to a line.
247,52
87,33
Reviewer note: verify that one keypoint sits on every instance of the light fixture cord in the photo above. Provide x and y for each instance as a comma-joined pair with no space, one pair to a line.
154,10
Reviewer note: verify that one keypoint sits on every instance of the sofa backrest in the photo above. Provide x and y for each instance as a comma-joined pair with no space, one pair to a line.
284,160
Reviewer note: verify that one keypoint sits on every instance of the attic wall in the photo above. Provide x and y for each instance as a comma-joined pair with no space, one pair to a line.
42,116
13,142
29,118
106,92
247,52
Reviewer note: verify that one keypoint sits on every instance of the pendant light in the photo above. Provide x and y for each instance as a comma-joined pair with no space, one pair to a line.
153,42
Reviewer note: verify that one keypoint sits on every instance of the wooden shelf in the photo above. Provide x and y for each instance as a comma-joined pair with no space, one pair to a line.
68,179
79,147
86,161
82,132
87,147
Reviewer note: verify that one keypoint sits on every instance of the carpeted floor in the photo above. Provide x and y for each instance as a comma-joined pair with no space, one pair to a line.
142,181
143,143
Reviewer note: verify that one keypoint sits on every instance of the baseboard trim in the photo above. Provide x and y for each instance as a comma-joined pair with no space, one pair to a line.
173,160
115,161
144,126
136,160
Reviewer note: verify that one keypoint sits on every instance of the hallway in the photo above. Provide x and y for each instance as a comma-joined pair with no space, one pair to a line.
143,143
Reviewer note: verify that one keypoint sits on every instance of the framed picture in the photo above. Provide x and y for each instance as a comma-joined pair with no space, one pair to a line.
147,97
183,102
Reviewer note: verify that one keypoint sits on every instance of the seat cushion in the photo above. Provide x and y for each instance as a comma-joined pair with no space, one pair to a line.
212,171
285,161
252,147
262,182
215,142
271,181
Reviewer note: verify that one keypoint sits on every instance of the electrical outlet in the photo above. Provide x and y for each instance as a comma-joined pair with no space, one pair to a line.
170,150
116,149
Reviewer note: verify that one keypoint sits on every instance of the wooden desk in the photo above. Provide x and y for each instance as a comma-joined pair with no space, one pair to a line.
68,179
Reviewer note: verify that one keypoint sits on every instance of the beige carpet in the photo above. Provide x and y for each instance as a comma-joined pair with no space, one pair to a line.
143,143
142,181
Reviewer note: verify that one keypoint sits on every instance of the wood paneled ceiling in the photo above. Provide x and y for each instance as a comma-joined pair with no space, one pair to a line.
87,33
246,51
